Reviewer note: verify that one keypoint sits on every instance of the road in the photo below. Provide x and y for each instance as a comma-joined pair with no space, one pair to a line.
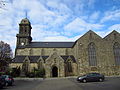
65,84
108,84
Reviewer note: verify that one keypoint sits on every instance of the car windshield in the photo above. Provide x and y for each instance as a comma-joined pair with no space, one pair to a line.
93,74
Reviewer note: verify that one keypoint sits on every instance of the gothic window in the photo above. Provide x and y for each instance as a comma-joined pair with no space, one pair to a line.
40,64
25,66
90,37
115,36
92,54
116,50
69,66
21,29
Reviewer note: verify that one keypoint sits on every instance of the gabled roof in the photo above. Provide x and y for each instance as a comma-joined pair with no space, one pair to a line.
18,59
109,35
34,59
66,57
90,32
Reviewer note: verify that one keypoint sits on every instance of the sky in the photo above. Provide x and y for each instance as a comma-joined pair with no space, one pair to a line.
58,20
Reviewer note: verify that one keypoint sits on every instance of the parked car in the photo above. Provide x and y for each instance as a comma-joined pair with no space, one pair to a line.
91,77
2,82
8,79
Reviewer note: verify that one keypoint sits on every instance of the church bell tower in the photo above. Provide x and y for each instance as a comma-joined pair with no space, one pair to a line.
24,37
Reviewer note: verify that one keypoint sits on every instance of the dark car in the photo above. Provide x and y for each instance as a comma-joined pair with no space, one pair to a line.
2,82
91,77
8,79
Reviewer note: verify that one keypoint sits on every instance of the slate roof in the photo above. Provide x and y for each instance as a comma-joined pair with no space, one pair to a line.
49,45
66,57
18,59
34,59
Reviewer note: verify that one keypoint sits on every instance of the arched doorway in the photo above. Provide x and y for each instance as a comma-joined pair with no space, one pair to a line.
54,71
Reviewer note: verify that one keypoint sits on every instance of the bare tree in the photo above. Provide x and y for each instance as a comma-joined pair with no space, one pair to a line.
5,51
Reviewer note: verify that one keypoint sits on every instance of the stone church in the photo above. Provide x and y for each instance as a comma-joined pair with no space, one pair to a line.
90,53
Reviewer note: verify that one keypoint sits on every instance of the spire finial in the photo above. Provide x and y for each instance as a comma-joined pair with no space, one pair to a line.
26,14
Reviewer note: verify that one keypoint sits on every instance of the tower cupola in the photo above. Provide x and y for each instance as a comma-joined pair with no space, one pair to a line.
24,36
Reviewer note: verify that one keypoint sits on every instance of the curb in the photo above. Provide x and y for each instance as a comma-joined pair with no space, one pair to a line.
41,79
29,79
58,78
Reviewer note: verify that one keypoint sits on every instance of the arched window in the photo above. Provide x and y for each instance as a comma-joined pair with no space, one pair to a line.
92,54
25,29
40,64
69,65
25,66
116,50
21,29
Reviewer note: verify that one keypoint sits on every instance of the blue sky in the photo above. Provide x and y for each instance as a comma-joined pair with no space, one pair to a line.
59,20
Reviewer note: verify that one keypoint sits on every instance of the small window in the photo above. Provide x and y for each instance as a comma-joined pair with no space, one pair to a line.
25,29
115,36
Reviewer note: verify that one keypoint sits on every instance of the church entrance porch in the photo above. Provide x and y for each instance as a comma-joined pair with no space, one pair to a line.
54,71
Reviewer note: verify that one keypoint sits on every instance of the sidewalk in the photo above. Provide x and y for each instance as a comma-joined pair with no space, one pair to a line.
30,79
41,79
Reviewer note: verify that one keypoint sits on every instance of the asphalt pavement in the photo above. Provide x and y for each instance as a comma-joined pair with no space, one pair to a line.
110,83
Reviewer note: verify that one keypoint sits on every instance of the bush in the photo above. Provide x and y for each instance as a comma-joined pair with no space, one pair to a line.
15,72
40,73
2,73
31,74
36,73
8,71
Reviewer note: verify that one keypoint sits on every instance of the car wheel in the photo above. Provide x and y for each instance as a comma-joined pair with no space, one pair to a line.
84,80
100,79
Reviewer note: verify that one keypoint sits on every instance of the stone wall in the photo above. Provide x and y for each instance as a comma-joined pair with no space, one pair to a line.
104,53
47,51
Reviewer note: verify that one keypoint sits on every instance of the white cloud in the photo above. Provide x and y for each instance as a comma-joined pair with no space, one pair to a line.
79,25
52,20
76,25
39,32
115,27
40,17
111,16
109,30
94,16
61,38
